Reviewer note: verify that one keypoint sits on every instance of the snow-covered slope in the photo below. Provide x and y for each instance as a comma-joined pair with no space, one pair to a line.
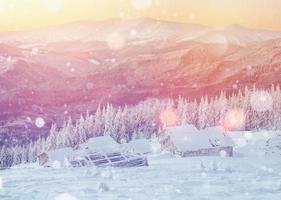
85,64
140,29
249,175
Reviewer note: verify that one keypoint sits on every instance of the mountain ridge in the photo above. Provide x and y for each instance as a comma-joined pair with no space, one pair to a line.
127,63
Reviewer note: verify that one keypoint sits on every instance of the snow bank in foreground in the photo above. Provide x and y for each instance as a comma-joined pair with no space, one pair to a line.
167,177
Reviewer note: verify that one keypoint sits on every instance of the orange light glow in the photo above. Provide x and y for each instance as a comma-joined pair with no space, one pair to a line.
234,120
29,14
168,117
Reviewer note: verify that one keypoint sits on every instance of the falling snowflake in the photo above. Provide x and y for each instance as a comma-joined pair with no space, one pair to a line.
261,101
249,67
223,153
68,64
235,86
7,61
94,61
34,51
65,196
133,32
270,170
249,71
28,119
185,138
178,191
204,174
40,122
194,86
141,4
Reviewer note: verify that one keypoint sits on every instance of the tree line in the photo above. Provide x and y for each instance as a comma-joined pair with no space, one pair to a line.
143,121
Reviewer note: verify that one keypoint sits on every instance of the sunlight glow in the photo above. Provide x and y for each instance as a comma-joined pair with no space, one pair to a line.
31,14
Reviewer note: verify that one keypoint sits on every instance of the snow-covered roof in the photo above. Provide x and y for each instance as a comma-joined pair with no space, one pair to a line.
218,133
189,138
61,154
104,144
137,146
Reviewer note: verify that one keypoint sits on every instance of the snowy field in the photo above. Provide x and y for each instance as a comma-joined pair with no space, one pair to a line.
250,174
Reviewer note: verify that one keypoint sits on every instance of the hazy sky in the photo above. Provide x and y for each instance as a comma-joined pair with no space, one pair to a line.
30,14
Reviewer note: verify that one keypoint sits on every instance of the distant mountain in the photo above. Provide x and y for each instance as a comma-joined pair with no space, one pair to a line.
86,31
66,70
236,34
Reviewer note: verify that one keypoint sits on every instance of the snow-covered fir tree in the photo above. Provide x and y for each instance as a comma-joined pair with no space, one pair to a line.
143,121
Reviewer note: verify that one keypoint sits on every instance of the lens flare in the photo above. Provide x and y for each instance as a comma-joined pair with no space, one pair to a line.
40,122
168,117
234,119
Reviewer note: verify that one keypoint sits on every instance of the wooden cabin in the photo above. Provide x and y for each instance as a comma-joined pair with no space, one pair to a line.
188,141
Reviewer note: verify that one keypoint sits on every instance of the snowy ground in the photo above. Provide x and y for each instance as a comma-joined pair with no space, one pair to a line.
249,175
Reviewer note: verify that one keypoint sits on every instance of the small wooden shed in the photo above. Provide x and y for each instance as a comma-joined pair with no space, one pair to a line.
43,158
